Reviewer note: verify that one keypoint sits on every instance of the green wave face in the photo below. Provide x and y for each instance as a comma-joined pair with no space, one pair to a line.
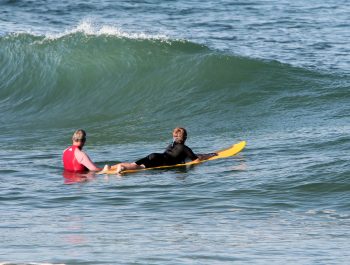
142,85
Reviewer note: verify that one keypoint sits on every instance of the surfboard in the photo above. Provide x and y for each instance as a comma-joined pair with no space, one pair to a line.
228,152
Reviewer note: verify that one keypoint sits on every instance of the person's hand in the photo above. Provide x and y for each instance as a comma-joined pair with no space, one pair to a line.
106,168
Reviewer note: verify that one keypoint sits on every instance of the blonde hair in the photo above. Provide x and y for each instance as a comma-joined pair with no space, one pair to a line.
79,136
180,134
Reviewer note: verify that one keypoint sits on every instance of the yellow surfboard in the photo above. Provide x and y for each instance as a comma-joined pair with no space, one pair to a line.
231,151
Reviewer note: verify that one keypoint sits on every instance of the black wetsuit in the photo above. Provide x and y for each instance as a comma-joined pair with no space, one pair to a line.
175,153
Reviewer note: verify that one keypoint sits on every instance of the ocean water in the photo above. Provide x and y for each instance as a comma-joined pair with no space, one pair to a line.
273,73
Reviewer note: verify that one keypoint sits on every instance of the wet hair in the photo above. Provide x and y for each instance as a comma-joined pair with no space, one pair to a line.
180,134
79,136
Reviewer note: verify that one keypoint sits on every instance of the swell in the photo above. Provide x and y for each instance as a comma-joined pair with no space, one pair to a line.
103,79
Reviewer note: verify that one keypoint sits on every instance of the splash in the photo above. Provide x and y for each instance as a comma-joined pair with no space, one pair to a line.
90,28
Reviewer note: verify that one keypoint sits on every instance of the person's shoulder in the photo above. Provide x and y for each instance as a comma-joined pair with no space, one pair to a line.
188,148
68,148
185,147
79,152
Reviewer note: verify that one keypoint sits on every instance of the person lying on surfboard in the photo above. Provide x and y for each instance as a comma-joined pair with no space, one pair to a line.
76,160
175,153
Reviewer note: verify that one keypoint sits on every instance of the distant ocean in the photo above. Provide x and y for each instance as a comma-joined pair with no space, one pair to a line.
273,73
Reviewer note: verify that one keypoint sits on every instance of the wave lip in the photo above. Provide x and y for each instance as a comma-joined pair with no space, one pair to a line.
89,28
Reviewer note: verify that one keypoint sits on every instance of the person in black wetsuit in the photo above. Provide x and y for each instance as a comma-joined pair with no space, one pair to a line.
175,153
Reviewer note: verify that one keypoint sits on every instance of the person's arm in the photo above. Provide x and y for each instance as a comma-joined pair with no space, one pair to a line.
205,156
84,159
190,154
198,157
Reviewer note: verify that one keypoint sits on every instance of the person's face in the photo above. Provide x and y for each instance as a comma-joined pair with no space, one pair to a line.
179,139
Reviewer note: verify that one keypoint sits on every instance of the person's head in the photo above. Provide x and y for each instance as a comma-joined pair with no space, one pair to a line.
180,135
79,138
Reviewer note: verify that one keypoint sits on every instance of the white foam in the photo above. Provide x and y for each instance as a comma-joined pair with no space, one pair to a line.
90,28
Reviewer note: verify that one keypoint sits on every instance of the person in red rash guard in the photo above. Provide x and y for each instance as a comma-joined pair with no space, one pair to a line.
76,160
